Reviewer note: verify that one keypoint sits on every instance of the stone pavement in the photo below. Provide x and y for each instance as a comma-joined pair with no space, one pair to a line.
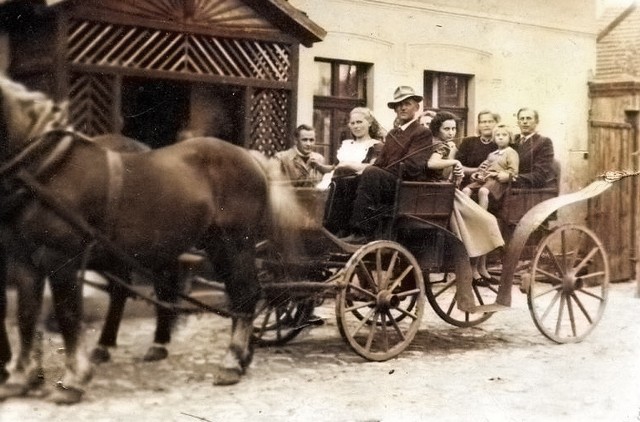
503,370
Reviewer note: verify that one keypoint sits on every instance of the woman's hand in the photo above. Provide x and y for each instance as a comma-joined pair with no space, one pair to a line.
458,172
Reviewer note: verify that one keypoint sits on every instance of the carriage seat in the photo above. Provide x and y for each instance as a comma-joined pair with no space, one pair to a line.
429,201
517,201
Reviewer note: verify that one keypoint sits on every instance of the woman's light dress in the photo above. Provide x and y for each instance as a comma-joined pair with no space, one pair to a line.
350,151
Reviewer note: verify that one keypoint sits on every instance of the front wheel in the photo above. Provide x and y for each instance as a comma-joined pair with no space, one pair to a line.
569,283
380,308
277,323
441,293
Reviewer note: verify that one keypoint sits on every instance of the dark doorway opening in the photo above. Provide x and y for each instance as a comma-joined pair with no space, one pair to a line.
154,110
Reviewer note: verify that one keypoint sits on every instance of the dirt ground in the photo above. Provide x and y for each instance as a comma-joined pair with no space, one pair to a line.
503,370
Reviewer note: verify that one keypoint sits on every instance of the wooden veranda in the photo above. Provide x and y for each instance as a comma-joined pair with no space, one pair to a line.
159,69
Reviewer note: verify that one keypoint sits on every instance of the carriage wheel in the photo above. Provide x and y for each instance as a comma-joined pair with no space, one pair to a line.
277,323
569,284
441,293
382,282
397,316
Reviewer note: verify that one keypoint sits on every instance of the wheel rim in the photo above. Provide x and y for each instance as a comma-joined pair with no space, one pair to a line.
569,284
441,293
278,322
380,308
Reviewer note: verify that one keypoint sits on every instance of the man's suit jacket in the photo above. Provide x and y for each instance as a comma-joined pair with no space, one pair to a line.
536,161
410,147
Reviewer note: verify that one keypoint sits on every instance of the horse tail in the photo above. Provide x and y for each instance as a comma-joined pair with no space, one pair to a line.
286,217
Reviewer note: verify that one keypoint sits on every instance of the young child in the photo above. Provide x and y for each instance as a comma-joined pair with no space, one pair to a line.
504,159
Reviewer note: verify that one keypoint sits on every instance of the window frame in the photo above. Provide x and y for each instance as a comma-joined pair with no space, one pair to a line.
335,105
431,95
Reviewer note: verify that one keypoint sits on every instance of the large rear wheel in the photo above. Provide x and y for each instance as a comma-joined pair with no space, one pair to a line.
380,308
568,283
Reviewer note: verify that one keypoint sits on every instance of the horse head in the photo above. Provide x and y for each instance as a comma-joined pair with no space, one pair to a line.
25,115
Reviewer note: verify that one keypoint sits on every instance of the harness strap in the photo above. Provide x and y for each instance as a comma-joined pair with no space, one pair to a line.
24,155
58,154
114,190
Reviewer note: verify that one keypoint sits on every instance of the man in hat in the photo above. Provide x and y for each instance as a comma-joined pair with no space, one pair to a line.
406,147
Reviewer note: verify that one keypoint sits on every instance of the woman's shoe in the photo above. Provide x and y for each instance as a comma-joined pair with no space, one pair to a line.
491,280
481,281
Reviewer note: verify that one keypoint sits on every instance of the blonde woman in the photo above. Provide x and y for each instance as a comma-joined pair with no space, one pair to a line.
354,155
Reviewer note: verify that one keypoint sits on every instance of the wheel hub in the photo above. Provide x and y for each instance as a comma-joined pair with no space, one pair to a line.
570,282
387,300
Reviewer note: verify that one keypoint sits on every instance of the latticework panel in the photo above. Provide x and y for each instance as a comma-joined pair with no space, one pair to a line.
104,44
269,131
91,103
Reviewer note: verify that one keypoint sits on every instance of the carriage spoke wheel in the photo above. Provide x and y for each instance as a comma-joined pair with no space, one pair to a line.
380,308
569,284
278,322
441,293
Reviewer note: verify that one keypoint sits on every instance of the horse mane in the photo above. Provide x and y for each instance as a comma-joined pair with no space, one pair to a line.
29,114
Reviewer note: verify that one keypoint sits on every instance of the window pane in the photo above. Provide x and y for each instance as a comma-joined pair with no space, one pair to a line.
323,88
322,125
348,84
451,91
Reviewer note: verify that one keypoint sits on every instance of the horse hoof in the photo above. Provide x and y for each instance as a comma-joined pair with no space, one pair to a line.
65,395
226,376
100,355
4,374
13,390
156,353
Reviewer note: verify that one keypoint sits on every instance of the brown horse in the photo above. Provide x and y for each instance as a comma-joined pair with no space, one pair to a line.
70,204
13,271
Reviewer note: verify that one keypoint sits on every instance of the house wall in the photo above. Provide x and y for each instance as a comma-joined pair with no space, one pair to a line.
540,54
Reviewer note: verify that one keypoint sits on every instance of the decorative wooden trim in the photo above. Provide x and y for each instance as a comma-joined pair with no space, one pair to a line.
119,46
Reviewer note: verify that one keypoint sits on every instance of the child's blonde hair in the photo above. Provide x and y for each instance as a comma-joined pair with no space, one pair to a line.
506,128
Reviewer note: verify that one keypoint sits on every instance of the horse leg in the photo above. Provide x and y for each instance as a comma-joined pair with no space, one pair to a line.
5,347
241,284
27,372
167,290
66,292
117,300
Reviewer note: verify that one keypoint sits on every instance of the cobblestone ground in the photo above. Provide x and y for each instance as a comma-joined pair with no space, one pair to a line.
503,370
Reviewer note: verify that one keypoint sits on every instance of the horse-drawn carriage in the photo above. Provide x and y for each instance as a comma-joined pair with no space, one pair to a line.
139,212
381,288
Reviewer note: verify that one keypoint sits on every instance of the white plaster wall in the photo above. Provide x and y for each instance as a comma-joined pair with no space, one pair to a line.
539,54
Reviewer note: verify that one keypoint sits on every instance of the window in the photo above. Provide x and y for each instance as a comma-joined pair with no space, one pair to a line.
342,85
448,91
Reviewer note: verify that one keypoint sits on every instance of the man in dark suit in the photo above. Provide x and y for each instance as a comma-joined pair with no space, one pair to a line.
535,151
407,146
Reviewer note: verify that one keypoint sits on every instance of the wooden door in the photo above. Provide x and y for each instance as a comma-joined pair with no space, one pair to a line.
613,214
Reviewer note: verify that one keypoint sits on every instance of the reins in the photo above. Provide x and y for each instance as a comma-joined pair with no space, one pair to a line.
40,144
